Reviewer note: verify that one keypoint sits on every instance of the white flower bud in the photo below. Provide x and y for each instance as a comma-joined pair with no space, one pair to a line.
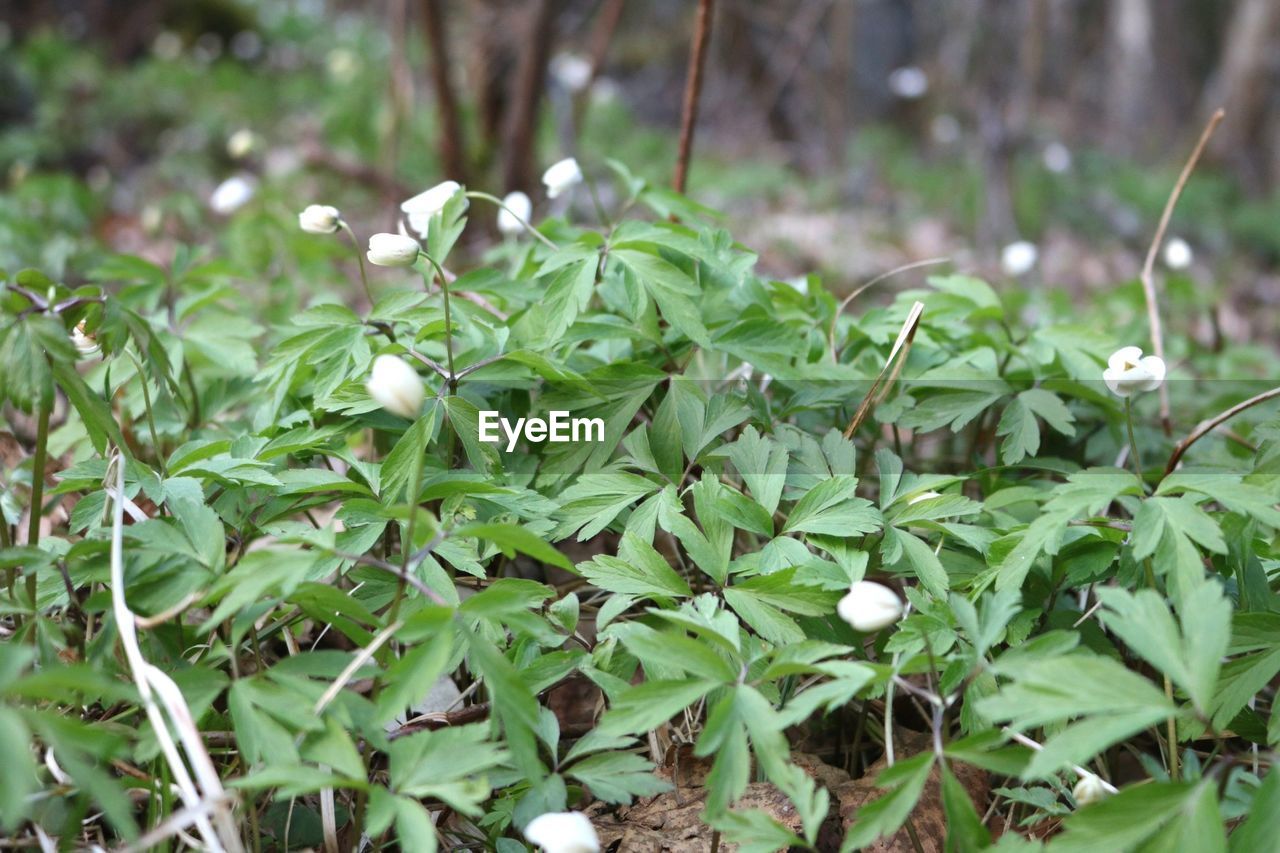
342,64
562,176
422,207
1177,254
319,219
393,250
515,204
85,344
869,606
570,71
1018,258
396,386
1057,158
909,82
1129,372
563,832
1088,790
232,194
242,143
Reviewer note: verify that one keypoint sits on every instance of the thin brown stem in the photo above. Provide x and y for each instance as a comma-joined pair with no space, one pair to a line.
1148,266
37,492
1207,426
693,91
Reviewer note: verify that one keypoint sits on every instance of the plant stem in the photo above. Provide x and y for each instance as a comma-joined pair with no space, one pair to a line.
448,319
151,418
692,91
1133,442
546,241
355,243
407,545
37,490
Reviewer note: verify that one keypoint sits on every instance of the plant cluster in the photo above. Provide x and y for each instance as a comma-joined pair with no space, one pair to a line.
945,537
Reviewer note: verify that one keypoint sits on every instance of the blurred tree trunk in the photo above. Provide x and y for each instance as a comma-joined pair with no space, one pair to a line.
1243,86
453,150
1130,73
519,132
493,63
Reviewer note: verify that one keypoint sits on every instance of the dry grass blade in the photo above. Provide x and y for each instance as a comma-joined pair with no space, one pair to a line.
1075,768
861,289
358,661
1148,266
892,366
157,689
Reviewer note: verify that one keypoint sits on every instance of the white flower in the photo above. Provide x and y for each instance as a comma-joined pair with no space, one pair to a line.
395,386
1088,790
562,176
869,606
1056,158
1177,254
232,194
571,71
516,206
563,832
1018,258
242,143
342,64
423,206
393,250
909,82
167,46
85,345
1129,372
319,219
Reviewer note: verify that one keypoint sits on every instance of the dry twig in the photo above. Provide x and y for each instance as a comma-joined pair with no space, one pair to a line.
692,91
1206,426
1148,266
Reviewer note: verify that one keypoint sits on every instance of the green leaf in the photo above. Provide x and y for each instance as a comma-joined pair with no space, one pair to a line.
646,706
1138,817
594,501
511,538
18,781
886,815
923,560
398,467
514,702
762,462
1114,701
669,287
965,832
1262,827
831,508
617,777
640,571
1191,656
94,412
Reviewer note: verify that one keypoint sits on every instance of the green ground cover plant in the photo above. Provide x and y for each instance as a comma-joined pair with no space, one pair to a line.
943,542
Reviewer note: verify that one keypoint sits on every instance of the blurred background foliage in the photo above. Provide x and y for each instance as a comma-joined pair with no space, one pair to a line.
847,136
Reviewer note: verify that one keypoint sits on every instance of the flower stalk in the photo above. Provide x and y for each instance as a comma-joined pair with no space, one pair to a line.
533,232
355,244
